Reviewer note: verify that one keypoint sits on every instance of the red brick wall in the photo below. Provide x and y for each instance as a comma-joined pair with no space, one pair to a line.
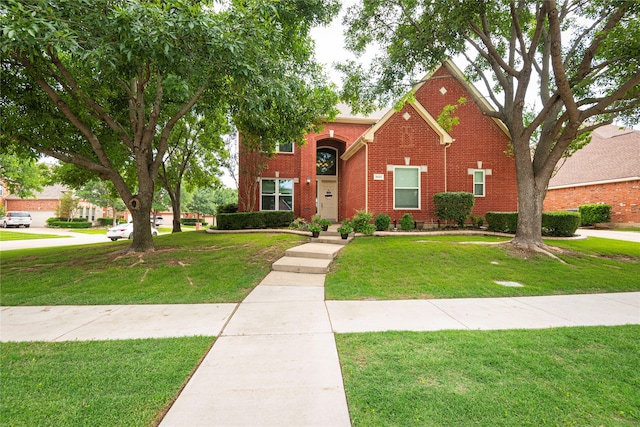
624,198
31,205
477,138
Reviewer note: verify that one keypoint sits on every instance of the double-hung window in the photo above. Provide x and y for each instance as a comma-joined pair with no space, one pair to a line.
285,147
276,195
478,183
406,187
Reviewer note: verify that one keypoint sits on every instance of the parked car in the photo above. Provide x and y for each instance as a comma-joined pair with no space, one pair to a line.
159,221
125,231
16,219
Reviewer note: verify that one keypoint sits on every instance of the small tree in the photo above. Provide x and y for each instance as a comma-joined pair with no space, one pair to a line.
454,206
68,205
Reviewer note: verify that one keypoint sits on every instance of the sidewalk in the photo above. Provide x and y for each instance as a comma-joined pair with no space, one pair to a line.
275,361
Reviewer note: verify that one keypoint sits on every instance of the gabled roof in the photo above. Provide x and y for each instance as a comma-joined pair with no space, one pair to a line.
50,192
445,138
612,155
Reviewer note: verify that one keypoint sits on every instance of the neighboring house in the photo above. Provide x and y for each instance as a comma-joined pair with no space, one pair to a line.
607,170
394,162
44,204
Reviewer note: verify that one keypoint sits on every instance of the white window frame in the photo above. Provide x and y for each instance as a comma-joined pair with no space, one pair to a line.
483,183
285,152
418,170
277,193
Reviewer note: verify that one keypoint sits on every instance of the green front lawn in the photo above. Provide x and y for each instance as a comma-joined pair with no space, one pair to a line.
586,376
95,383
185,268
6,235
445,267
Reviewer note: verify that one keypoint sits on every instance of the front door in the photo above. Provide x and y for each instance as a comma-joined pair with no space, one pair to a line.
328,198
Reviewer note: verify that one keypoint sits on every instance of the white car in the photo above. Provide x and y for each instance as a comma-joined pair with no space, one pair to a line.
16,219
124,231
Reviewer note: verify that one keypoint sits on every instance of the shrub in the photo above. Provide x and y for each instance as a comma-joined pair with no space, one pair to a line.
192,221
382,222
248,220
105,222
227,208
502,222
70,224
477,221
594,213
360,222
51,220
454,206
299,224
406,222
562,224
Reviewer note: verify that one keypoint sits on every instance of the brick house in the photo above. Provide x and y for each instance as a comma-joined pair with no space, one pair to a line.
45,203
607,170
392,162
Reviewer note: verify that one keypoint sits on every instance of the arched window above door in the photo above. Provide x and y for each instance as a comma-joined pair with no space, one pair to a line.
326,163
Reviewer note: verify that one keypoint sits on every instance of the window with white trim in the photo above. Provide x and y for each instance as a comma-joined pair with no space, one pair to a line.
285,147
479,183
406,187
276,195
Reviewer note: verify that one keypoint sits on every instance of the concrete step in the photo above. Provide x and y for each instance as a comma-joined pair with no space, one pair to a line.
314,250
335,240
302,265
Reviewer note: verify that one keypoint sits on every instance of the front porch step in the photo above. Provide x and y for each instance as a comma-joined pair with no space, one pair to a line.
315,250
302,265
325,237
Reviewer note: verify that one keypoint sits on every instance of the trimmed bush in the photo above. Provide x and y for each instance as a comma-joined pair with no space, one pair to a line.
502,222
455,206
228,208
249,220
192,221
594,213
406,222
70,224
105,222
51,220
382,222
560,224
360,222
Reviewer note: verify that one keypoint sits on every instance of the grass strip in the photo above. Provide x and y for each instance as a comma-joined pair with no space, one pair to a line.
6,236
185,268
583,376
95,383
387,268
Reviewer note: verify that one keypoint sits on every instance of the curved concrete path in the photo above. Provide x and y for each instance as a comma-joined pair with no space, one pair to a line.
275,362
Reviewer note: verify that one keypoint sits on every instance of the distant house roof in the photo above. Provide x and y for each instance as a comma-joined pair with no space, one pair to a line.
51,192
612,155
346,116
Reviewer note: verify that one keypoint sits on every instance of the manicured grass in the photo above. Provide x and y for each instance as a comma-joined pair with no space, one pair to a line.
6,235
96,383
192,267
586,376
442,267
88,230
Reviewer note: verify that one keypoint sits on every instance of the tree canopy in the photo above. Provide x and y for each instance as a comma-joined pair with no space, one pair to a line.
579,60
102,84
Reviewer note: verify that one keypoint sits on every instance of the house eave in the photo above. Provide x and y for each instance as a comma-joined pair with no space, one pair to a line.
602,182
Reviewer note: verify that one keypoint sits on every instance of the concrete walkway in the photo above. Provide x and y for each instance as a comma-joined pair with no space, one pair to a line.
275,362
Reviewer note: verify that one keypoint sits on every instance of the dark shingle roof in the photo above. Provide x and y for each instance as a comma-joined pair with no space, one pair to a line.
612,154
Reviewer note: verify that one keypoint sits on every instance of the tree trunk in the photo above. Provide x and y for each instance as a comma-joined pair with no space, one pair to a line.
140,211
175,207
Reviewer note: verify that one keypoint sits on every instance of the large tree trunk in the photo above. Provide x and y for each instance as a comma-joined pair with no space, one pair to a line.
140,208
